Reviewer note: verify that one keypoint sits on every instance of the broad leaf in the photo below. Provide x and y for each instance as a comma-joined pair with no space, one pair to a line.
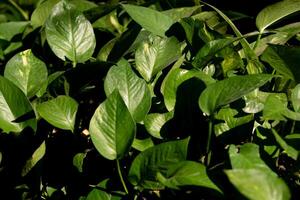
13,105
35,158
27,72
275,106
155,121
270,56
293,153
179,13
275,12
10,29
151,20
133,89
41,13
295,98
148,163
78,161
142,144
69,34
112,127
186,173
177,77
154,54
59,112
228,90
97,194
255,101
256,184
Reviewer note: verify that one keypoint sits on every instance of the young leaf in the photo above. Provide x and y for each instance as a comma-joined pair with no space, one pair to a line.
154,21
275,12
133,89
148,163
112,127
27,72
228,90
59,112
176,77
186,173
154,54
255,184
35,158
78,161
9,29
69,34
295,98
13,105
155,121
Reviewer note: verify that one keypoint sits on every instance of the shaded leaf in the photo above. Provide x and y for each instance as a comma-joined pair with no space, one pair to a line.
112,127
9,29
155,121
148,163
69,34
13,105
143,144
154,21
275,106
154,54
228,90
59,112
78,160
295,98
27,72
134,90
179,13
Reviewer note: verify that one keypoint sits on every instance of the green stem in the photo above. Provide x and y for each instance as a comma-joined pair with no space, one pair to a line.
121,176
23,13
210,132
257,41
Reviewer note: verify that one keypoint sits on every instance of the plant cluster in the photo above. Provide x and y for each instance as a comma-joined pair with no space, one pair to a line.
148,100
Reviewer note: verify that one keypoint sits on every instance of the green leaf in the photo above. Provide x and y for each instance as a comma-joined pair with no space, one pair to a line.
155,121
52,77
13,105
179,13
41,13
145,166
154,54
9,29
154,21
295,98
69,34
97,194
133,89
112,127
143,144
255,101
186,173
256,184
275,12
270,56
27,72
35,158
275,106
59,112
228,90
176,77
78,160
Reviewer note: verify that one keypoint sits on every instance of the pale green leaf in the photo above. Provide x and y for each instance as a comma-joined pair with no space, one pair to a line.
10,29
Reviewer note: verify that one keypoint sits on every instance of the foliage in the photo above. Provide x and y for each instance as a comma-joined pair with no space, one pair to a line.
148,100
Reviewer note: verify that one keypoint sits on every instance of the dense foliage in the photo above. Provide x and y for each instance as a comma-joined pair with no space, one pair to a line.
149,100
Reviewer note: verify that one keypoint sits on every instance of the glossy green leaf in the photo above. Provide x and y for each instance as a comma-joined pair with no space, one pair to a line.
59,112
35,158
112,127
155,121
273,13
177,77
154,54
256,184
295,98
133,89
255,101
293,153
69,34
41,13
10,29
27,72
13,105
228,90
230,119
209,50
148,163
142,144
179,13
275,106
186,173
154,21
78,161
270,56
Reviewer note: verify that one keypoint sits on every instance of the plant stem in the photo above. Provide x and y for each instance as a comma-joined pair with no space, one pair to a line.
23,13
257,41
210,132
121,176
